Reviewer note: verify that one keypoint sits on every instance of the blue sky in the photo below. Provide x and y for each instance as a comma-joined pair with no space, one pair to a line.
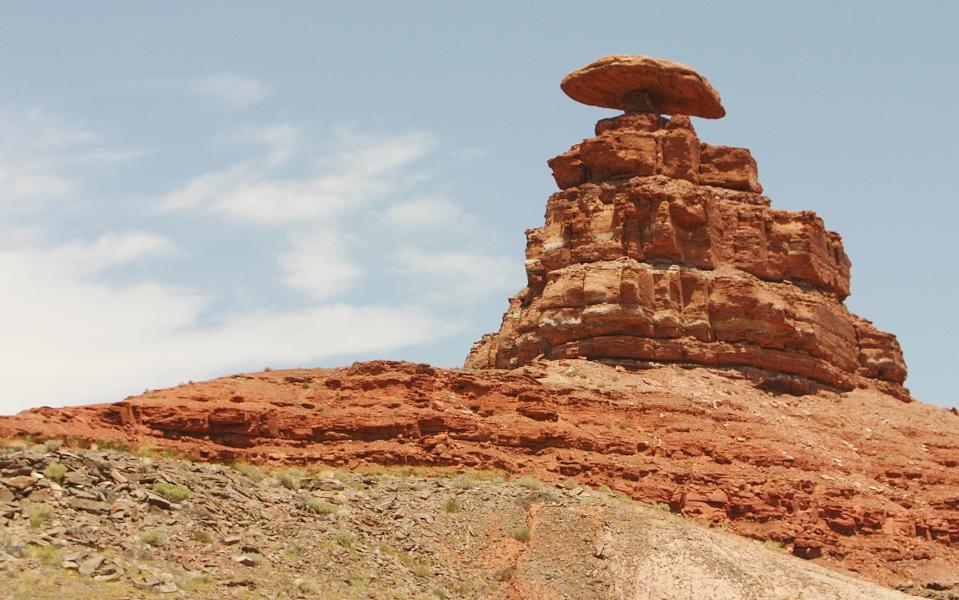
192,189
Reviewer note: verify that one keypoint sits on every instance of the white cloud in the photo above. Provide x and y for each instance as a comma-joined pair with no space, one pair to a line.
233,90
70,338
455,276
317,264
425,213
281,141
19,182
73,333
39,148
34,130
364,170
110,250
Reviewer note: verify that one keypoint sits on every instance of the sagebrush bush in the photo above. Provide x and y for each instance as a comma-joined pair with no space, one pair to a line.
39,515
463,482
345,539
321,506
174,492
154,538
530,483
202,535
55,472
290,479
252,471
521,534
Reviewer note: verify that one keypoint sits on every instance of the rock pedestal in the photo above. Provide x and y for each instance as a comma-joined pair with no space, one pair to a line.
661,248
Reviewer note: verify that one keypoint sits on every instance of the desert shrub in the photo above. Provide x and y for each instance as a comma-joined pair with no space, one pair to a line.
52,444
359,581
256,558
39,515
421,568
321,507
190,583
307,586
154,538
174,492
345,539
55,471
453,506
48,555
773,545
530,483
521,534
251,471
463,482
290,479
202,535
117,445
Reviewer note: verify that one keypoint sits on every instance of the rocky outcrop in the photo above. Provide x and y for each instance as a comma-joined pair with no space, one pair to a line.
857,480
660,248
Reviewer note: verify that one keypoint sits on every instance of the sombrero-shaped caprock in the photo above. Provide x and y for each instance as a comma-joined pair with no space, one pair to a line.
636,83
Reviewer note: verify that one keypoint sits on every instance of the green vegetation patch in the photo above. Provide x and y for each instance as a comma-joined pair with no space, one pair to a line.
154,538
321,507
521,534
55,472
174,492
40,515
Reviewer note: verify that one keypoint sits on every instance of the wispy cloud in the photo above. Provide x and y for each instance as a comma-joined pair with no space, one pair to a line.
108,251
317,262
362,170
71,338
96,318
39,150
426,213
233,90
19,182
455,276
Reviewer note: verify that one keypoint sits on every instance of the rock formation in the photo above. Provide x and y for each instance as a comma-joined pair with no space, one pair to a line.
661,248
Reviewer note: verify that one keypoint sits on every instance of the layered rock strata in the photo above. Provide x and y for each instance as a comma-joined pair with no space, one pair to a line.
659,247
856,480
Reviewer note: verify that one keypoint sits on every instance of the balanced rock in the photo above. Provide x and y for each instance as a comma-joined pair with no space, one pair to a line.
644,84
661,248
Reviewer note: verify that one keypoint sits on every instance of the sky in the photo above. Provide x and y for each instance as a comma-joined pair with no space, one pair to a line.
189,190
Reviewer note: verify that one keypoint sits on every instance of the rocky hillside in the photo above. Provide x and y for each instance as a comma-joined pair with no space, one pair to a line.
102,524
858,481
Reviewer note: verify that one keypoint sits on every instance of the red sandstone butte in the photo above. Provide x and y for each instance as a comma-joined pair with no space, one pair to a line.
660,248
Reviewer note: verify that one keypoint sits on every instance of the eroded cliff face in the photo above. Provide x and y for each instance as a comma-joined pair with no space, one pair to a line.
660,248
